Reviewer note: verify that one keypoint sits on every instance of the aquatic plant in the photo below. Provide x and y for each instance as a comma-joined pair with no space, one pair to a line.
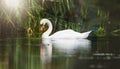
100,32
116,32
64,14
78,15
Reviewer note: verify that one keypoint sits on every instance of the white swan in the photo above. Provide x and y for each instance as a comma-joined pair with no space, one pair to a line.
61,34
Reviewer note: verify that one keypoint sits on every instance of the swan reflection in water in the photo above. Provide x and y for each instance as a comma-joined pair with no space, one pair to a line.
46,51
71,46
67,46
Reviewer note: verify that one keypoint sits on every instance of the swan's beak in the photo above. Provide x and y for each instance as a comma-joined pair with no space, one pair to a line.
42,27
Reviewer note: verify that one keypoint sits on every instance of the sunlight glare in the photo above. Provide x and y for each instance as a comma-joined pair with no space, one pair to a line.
12,3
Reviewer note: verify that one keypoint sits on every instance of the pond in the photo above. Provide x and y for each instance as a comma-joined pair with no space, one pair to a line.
36,53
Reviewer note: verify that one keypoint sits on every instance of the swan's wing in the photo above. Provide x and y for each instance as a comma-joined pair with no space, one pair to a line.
65,34
69,34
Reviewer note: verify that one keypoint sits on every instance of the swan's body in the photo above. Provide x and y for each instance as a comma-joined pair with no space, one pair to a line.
61,34
69,34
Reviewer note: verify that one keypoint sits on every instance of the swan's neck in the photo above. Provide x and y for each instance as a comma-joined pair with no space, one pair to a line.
49,30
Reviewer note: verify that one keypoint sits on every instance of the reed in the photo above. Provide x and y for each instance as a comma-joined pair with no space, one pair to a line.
64,14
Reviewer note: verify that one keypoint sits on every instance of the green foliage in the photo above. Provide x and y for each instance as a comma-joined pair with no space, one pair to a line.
116,32
64,14
100,32
56,11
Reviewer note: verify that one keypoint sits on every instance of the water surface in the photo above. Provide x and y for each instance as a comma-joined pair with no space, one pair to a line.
35,53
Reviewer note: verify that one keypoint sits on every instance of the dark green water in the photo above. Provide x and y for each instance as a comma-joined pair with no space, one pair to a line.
35,53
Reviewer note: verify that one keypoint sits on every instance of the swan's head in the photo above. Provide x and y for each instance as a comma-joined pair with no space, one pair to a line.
43,22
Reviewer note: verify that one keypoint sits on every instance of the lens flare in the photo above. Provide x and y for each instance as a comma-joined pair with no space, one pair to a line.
12,3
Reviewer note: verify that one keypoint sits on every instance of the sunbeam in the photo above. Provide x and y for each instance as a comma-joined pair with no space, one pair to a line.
12,3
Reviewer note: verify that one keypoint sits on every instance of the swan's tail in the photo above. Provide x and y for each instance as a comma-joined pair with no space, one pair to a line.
86,34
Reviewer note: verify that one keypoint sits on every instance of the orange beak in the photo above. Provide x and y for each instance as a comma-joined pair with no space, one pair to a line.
42,27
